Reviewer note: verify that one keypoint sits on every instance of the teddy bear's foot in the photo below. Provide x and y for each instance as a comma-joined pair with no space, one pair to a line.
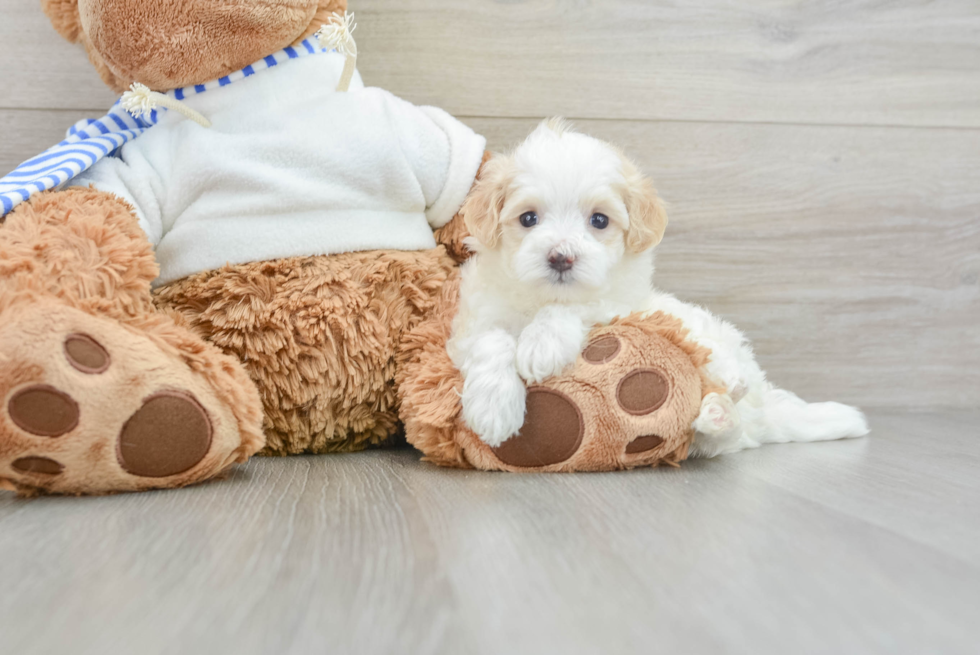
629,400
617,407
92,406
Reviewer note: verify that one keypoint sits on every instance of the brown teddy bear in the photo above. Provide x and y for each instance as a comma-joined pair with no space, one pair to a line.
177,293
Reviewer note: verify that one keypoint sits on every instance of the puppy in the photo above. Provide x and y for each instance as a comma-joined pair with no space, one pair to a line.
563,231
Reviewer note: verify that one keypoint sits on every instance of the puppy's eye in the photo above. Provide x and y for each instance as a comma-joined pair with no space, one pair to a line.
599,221
529,219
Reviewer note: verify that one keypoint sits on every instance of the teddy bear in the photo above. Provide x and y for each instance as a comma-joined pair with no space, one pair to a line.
252,253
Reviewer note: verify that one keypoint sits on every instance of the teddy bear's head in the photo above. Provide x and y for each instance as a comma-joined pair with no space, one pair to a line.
166,44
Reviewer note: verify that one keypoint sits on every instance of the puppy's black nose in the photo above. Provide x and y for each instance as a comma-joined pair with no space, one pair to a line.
559,262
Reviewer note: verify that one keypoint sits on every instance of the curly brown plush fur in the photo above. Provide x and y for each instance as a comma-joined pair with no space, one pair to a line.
583,420
318,336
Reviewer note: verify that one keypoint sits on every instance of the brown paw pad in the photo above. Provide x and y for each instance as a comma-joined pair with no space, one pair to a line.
643,391
552,432
44,411
643,444
602,350
86,354
41,465
168,435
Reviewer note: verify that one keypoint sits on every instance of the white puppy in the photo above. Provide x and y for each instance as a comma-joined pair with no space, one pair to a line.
563,231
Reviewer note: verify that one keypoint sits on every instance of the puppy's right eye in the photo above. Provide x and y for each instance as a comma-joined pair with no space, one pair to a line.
529,219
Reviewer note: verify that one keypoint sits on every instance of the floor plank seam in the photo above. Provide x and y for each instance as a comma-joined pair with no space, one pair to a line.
608,119
693,121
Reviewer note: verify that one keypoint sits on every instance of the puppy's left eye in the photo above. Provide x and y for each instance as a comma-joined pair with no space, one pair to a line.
529,219
599,221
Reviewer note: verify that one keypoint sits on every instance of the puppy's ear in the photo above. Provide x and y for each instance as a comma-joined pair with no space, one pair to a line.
481,211
557,125
648,217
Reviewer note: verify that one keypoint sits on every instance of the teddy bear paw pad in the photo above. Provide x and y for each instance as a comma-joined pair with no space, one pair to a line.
643,444
90,406
642,391
552,431
43,410
86,354
602,350
41,465
169,434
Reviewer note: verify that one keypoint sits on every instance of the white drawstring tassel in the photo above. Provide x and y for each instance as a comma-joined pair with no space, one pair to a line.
140,100
338,35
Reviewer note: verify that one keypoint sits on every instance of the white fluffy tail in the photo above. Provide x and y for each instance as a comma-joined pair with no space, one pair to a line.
784,416
770,415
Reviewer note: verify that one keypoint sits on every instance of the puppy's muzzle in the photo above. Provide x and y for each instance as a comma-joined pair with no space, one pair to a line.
560,262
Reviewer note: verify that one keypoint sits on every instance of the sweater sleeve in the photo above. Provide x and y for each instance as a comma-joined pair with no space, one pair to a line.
132,178
444,154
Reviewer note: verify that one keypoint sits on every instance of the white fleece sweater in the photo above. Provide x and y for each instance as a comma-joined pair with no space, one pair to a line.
291,167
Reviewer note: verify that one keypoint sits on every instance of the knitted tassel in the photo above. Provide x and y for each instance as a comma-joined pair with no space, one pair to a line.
140,100
338,35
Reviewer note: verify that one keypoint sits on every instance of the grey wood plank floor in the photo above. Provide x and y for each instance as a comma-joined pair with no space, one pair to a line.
863,546
904,62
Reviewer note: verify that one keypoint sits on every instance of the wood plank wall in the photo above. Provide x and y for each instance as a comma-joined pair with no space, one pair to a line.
821,159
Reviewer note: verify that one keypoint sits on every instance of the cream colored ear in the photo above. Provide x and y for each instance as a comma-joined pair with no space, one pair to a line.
481,211
647,214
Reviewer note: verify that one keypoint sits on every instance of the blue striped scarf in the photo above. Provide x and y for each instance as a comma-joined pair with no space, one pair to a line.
90,140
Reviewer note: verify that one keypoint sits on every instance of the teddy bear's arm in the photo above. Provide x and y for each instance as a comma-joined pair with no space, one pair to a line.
465,156
443,153
135,181
453,234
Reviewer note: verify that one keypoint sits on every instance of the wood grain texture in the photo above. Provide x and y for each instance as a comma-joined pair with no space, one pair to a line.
28,132
42,70
914,62
865,546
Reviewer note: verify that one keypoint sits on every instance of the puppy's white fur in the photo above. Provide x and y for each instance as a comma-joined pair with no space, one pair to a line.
520,319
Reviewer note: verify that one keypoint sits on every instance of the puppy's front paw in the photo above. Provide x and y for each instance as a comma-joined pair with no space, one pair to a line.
718,416
493,406
543,351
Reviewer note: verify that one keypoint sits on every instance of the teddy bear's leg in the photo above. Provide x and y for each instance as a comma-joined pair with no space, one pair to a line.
629,400
318,335
100,392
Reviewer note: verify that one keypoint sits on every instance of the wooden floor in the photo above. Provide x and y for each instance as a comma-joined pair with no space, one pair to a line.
821,161
865,546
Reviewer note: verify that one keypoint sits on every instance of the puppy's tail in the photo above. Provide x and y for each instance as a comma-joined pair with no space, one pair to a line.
783,416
